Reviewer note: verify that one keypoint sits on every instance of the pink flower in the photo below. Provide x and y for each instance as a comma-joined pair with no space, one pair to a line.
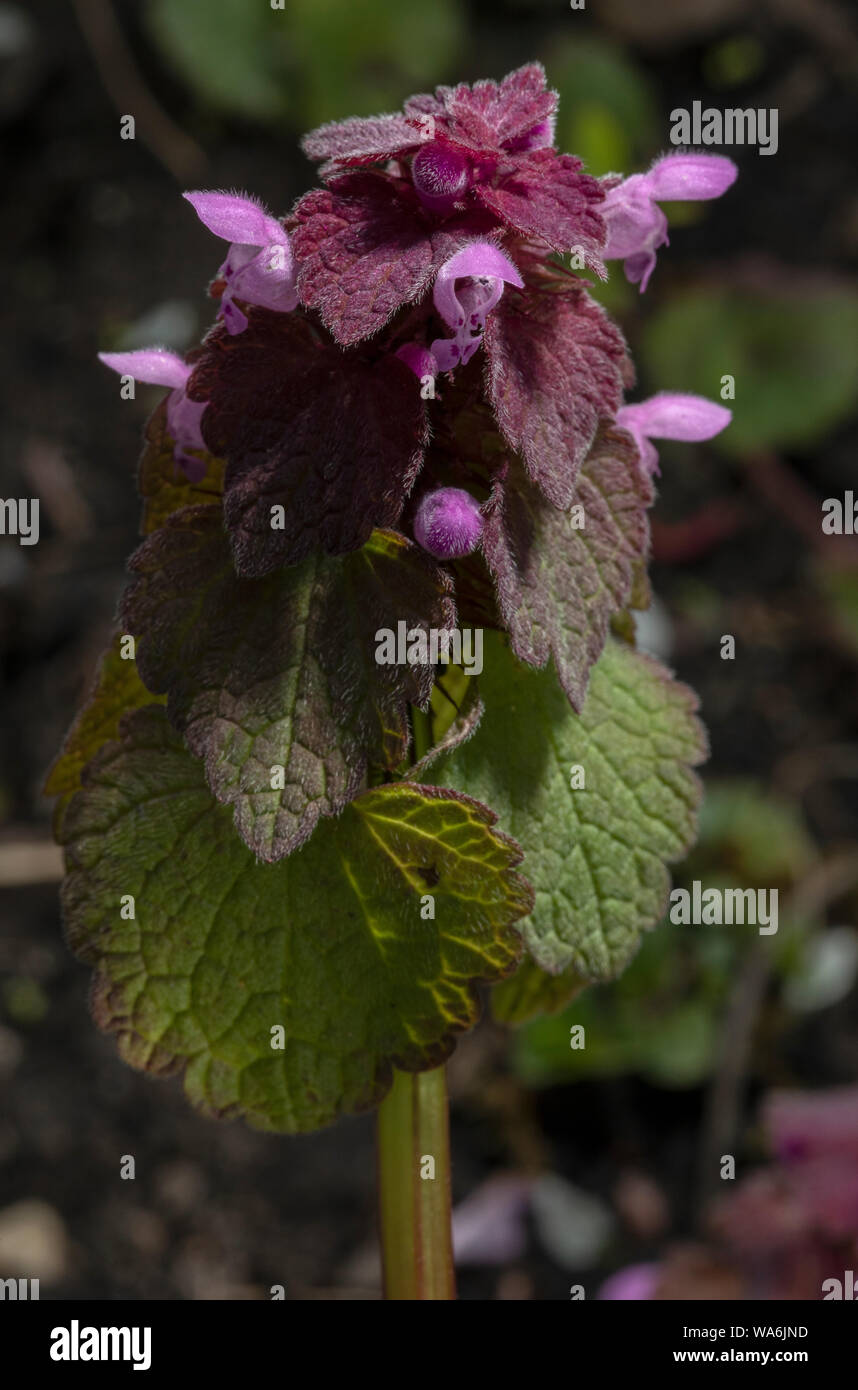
635,1282
467,288
448,523
159,367
421,361
671,415
637,227
803,1124
258,267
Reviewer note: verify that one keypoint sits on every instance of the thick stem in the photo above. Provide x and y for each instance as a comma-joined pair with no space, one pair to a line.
414,1187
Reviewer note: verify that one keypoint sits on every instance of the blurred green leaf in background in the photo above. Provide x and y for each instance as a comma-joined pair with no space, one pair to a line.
793,354
314,61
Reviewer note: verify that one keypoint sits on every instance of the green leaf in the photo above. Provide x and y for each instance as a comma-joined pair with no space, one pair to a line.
559,581
330,944
274,681
227,50
794,356
595,855
608,115
117,690
162,484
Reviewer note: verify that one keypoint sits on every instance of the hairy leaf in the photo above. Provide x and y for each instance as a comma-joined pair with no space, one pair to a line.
361,140
322,445
489,115
116,691
555,369
559,581
547,196
364,249
280,673
595,854
330,945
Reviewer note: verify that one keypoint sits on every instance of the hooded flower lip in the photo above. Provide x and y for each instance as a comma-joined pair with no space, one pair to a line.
258,267
637,227
159,367
467,288
671,415
448,523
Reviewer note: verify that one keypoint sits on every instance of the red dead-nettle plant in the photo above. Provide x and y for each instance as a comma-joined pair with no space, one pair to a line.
373,729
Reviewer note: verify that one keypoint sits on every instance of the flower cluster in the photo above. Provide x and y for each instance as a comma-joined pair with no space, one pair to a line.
432,242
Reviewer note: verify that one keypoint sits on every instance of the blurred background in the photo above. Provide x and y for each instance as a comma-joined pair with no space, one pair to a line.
570,1166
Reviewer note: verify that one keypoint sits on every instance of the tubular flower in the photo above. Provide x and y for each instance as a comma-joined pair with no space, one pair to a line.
467,288
258,267
404,192
158,367
637,227
671,415
448,523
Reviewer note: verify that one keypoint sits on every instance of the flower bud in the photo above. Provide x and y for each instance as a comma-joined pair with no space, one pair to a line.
441,176
448,523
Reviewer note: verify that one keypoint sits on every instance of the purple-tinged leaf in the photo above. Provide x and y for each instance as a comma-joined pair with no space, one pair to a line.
556,365
560,576
363,248
361,140
274,682
547,196
322,445
490,116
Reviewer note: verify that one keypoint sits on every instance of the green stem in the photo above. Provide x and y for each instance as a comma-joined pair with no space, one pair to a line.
414,1187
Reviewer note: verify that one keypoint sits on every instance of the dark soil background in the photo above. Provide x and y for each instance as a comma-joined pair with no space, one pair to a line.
95,238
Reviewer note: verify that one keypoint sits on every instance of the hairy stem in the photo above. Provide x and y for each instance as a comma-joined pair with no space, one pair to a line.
414,1187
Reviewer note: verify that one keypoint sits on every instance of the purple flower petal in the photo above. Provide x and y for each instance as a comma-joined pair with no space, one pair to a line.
482,260
421,361
679,177
467,288
675,415
635,1282
156,366
267,279
183,420
539,137
671,415
236,218
636,225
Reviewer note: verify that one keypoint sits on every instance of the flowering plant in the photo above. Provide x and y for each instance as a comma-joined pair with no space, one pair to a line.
301,824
